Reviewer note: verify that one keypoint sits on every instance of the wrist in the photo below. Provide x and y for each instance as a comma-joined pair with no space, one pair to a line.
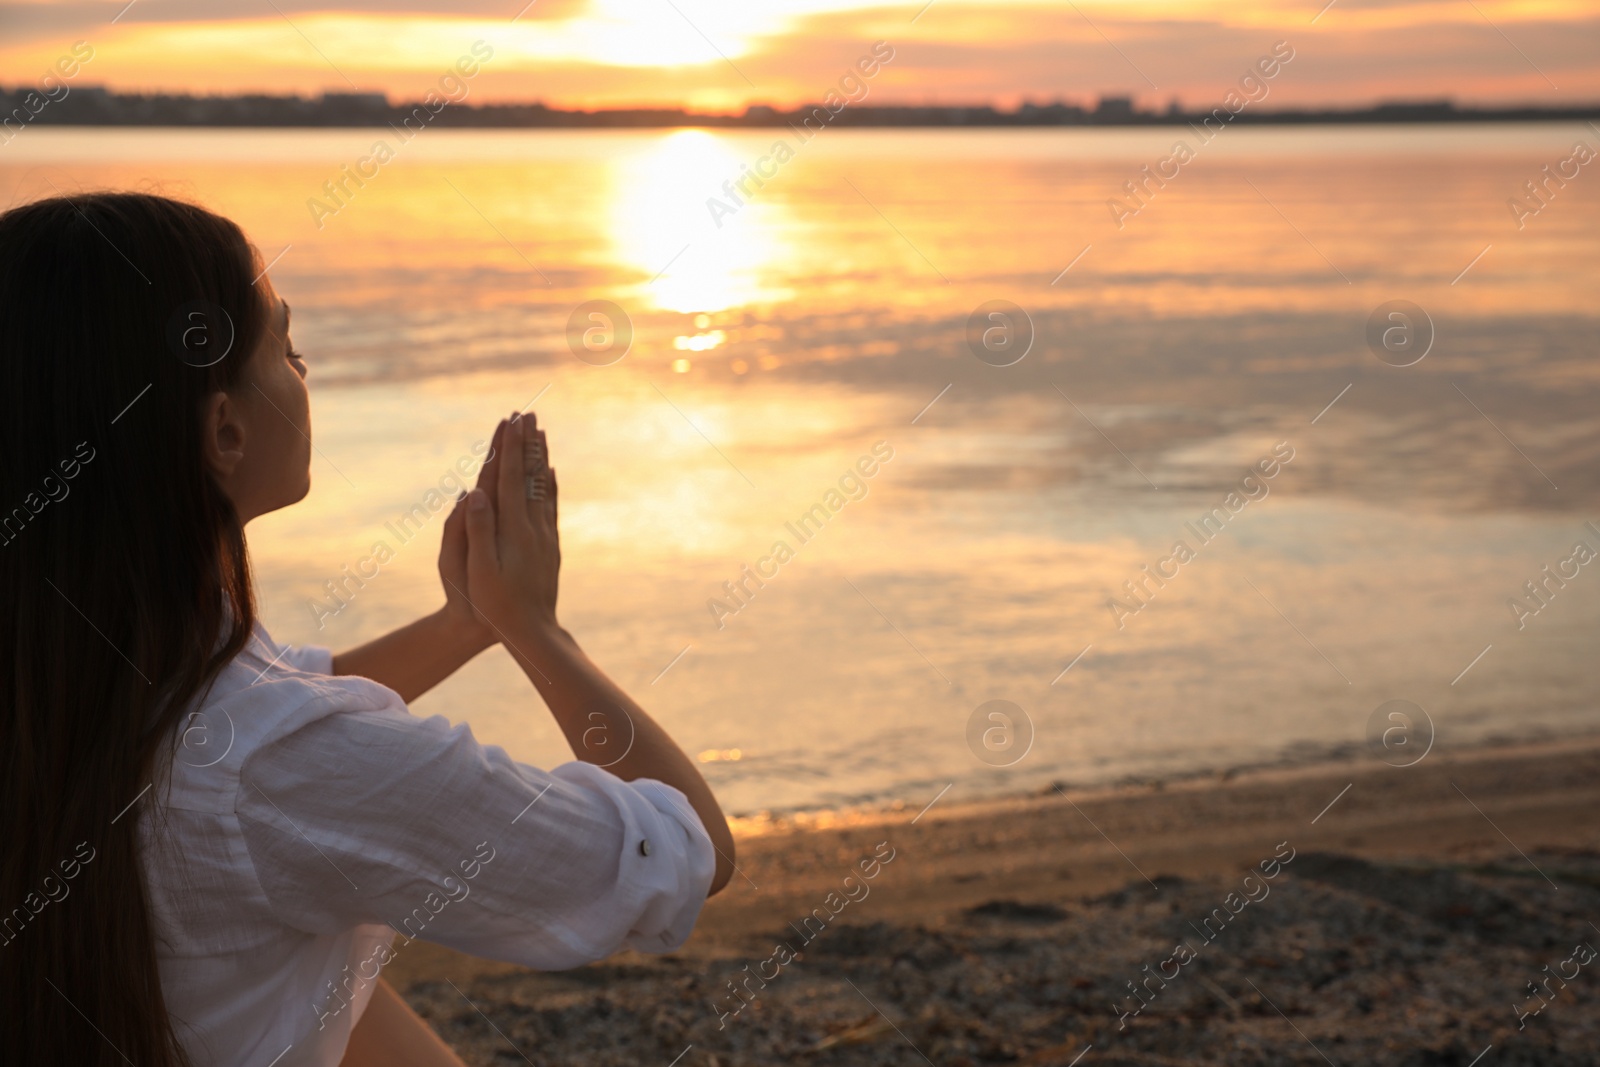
540,637
463,632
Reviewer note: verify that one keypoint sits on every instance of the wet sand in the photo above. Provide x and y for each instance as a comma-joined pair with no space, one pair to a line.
1344,913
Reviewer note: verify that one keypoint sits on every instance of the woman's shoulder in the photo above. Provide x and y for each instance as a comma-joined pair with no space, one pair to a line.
266,693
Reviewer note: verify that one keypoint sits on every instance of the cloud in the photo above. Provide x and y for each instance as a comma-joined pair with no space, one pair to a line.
598,53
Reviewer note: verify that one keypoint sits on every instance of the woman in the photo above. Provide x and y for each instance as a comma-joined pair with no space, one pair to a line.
213,842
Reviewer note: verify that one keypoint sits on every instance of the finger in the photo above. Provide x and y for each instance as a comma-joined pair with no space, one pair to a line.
510,485
533,464
491,462
453,545
536,455
555,517
483,559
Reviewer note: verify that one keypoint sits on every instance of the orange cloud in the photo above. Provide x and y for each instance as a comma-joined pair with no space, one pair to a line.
724,55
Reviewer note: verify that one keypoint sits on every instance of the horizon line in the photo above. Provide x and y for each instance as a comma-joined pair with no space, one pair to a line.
347,108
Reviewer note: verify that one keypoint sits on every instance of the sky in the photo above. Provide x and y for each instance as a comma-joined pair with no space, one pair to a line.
723,55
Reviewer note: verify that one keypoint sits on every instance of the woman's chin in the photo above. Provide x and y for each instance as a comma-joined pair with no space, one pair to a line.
292,495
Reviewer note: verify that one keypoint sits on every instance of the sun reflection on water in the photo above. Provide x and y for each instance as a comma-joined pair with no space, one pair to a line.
661,227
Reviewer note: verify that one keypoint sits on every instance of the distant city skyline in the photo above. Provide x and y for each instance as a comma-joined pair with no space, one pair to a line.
88,105
718,56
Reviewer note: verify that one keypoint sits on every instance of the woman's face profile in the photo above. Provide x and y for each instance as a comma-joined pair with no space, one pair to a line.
258,436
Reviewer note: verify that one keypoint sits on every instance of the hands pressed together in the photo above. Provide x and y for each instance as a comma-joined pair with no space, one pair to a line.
500,556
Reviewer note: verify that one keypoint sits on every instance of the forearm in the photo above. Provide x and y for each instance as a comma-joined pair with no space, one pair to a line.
416,657
604,726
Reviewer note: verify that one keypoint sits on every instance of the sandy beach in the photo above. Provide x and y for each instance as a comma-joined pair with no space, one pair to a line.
1343,913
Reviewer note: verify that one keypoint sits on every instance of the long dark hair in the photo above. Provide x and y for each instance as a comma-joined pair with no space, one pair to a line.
124,588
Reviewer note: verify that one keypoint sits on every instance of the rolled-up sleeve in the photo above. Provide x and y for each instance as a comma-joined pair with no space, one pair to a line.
385,817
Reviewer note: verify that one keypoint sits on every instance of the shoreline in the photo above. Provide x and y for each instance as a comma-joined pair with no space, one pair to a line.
1352,757
1201,826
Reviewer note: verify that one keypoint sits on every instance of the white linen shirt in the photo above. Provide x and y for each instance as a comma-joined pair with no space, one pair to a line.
314,827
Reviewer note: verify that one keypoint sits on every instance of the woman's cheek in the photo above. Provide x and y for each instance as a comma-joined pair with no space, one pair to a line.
298,396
